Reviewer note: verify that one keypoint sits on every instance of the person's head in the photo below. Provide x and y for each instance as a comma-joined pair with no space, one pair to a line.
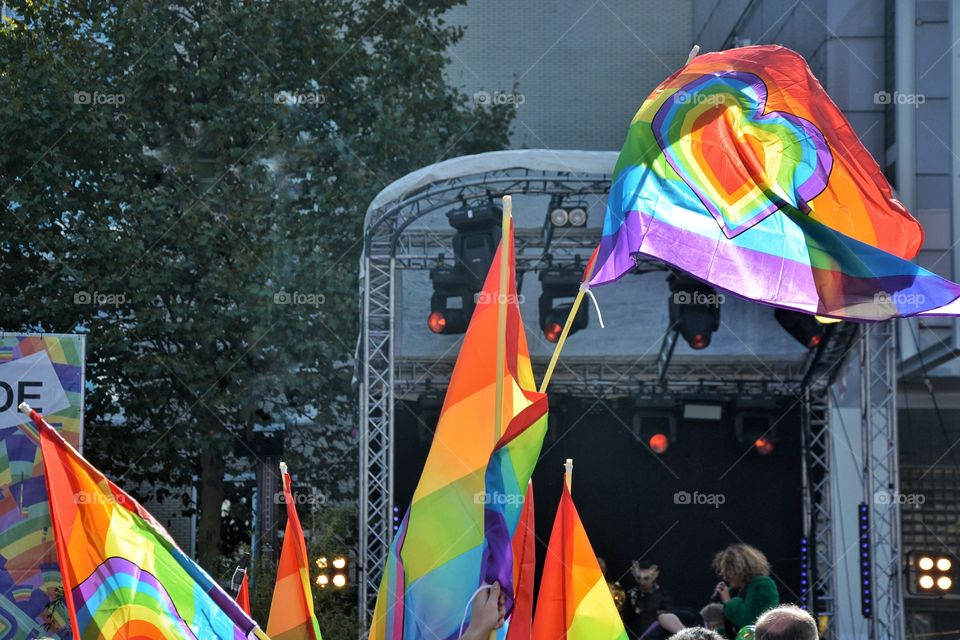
786,622
738,564
712,615
646,574
696,633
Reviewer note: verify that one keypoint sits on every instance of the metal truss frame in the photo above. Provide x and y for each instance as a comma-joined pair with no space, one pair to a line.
881,481
394,242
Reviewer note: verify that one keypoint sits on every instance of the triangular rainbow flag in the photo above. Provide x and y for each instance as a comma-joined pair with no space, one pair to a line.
524,568
243,596
574,601
291,612
123,575
457,533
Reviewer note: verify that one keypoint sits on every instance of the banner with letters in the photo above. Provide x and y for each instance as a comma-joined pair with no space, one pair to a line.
45,371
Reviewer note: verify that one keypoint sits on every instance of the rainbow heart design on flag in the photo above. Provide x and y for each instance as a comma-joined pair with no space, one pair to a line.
742,162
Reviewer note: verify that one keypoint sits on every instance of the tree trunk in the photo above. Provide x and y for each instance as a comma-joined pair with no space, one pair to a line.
212,469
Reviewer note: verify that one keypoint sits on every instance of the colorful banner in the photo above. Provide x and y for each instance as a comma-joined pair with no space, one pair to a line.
46,372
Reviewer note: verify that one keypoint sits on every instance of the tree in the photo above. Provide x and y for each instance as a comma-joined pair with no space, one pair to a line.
186,183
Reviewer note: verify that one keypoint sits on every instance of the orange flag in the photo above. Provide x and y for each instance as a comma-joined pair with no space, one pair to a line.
524,567
243,596
574,602
291,612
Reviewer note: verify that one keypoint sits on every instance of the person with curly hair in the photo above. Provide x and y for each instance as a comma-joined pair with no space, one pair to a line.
747,570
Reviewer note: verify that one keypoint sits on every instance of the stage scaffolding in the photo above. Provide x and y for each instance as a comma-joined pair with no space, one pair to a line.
393,242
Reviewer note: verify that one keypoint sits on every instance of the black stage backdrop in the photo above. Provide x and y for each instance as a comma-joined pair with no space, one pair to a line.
677,510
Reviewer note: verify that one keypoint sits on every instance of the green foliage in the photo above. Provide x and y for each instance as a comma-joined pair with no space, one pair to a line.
186,183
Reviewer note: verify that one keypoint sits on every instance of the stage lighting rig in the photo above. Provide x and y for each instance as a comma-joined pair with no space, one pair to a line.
655,422
694,310
931,574
567,215
475,241
560,283
452,301
804,328
753,424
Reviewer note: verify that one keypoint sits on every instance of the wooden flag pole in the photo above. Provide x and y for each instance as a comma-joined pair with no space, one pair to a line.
502,302
566,331
502,315
568,474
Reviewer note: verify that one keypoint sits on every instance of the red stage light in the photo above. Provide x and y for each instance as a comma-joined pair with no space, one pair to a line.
763,445
437,322
815,341
552,331
659,443
700,341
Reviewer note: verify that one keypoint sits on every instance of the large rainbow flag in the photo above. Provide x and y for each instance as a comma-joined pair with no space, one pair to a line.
575,602
123,575
741,171
457,533
291,612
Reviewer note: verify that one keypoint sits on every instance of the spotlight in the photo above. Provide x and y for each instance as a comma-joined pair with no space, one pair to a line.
694,310
560,283
452,302
339,581
476,239
566,215
340,563
930,574
559,217
753,423
804,328
578,217
655,422
323,580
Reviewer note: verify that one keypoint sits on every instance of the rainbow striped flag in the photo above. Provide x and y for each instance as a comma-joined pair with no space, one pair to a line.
524,569
741,171
575,602
457,533
123,575
291,611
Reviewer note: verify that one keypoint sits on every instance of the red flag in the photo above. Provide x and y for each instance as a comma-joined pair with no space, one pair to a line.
524,567
243,596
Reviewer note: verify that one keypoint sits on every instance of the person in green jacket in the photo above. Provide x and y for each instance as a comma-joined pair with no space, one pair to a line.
747,570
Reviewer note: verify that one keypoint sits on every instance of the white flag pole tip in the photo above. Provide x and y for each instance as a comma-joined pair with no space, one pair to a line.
25,408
